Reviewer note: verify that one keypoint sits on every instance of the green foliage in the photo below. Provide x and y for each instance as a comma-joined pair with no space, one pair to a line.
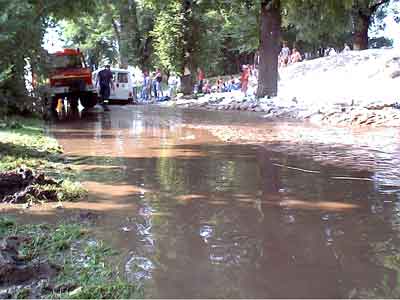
60,239
380,42
22,27
168,36
318,23
6,225
95,277
217,35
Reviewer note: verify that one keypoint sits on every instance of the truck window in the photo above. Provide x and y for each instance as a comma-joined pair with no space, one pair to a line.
123,77
66,61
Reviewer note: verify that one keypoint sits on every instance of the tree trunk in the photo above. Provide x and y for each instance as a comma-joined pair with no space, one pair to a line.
361,26
190,37
187,84
270,33
145,54
118,35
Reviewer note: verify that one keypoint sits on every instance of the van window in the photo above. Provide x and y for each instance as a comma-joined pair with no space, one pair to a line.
123,77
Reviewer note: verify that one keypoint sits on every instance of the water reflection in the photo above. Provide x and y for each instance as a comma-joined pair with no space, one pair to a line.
216,220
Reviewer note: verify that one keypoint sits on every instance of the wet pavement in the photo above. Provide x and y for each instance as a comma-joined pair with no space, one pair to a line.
195,217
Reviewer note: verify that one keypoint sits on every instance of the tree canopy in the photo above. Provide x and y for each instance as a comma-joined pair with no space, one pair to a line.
175,35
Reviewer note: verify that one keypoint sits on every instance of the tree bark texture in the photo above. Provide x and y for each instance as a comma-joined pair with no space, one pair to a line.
361,26
191,33
270,34
362,14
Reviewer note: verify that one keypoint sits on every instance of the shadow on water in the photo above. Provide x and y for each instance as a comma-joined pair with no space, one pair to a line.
194,217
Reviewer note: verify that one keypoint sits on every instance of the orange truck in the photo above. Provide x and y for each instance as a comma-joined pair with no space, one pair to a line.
71,79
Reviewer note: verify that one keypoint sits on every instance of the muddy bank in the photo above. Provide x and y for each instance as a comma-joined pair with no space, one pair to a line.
22,275
61,261
23,185
31,167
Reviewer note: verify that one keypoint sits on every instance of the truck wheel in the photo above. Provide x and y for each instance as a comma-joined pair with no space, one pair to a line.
53,103
89,101
73,102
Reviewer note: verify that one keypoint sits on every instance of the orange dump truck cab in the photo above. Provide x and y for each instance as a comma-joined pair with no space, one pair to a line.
71,79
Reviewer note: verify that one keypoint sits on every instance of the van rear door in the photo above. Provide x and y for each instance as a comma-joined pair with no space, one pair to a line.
122,86
113,92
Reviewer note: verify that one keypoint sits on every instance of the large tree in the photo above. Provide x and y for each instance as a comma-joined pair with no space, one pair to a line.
270,34
363,12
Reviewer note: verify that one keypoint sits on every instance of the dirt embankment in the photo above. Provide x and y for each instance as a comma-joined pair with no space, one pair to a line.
348,89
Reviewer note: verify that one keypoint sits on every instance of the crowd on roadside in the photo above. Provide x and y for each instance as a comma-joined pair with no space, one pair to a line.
227,83
287,56
152,87
156,88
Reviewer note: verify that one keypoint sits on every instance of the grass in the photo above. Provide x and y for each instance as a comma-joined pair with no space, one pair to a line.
66,191
85,264
24,144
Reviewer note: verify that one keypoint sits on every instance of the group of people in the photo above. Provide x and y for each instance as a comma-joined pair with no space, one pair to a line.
287,57
221,86
152,86
248,73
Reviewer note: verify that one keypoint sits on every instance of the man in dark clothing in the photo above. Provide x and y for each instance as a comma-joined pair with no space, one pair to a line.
105,81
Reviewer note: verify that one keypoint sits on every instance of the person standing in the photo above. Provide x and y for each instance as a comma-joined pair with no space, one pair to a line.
296,56
200,78
158,79
105,81
284,55
145,88
244,79
172,85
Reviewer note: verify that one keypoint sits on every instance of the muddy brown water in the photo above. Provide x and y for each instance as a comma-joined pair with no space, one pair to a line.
194,217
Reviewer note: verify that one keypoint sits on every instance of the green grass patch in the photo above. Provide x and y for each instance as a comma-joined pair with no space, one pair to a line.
86,264
24,144
66,191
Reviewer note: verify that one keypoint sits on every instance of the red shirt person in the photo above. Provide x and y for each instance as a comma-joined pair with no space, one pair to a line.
244,78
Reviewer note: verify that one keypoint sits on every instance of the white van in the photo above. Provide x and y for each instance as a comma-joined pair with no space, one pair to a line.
123,83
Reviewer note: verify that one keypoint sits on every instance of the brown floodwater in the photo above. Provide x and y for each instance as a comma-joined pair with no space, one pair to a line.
195,217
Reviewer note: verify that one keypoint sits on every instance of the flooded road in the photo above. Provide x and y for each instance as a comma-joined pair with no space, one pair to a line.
194,217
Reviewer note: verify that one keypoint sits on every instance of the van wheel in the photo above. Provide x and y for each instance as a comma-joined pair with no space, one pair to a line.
89,101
